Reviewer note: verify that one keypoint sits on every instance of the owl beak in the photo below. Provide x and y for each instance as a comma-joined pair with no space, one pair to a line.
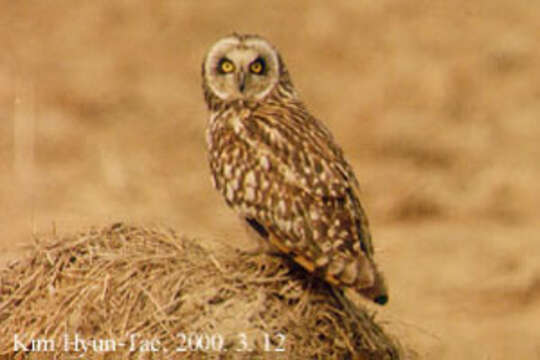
241,81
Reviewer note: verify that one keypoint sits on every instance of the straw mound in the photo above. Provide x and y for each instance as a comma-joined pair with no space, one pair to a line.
105,285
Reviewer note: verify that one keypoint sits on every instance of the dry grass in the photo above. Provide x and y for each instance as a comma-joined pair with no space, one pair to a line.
120,280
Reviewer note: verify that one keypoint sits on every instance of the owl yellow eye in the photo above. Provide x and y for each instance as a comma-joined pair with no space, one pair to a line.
257,67
225,66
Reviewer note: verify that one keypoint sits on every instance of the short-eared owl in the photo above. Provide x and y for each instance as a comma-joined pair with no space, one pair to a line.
280,168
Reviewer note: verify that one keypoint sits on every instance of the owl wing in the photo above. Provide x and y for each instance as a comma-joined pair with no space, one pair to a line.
299,192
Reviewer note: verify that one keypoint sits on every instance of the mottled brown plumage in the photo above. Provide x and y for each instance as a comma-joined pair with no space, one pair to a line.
280,168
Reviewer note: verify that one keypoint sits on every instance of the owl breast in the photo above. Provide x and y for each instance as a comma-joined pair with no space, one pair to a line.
239,170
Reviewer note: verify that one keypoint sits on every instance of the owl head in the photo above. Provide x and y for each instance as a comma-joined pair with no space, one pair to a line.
243,67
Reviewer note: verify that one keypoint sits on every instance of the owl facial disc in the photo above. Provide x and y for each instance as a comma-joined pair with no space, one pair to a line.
241,68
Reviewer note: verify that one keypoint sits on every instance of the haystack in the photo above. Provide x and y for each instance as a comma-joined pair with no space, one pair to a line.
128,292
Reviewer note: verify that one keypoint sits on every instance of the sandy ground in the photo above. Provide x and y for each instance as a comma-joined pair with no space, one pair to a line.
436,106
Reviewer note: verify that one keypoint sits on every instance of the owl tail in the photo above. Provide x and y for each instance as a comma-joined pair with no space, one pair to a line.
378,292
360,275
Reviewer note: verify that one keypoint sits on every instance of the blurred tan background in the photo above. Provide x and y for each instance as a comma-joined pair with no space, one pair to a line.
436,106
